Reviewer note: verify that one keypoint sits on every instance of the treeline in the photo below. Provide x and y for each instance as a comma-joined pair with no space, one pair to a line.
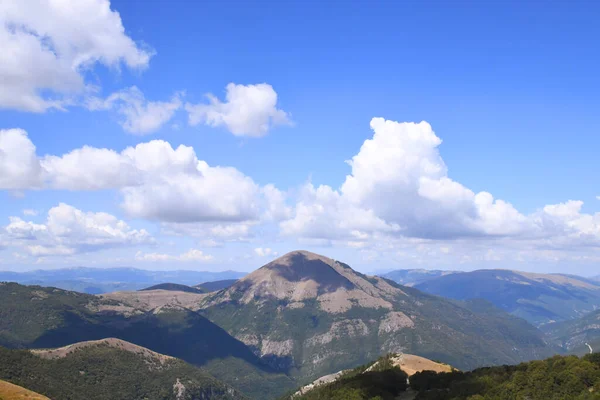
382,381
556,378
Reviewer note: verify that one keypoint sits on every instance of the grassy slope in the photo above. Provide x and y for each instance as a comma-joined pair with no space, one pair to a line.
9,391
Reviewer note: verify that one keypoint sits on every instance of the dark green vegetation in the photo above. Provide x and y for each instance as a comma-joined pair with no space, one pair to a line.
412,277
216,285
556,378
537,298
103,372
309,340
105,280
383,382
573,335
176,287
37,317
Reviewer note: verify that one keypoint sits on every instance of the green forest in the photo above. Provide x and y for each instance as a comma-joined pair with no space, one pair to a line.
556,378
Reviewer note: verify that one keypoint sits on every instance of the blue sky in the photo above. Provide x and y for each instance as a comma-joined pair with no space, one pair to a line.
510,88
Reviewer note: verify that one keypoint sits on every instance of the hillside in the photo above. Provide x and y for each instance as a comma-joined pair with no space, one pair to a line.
573,335
34,317
408,363
110,369
216,285
311,316
537,298
176,288
556,378
412,277
9,391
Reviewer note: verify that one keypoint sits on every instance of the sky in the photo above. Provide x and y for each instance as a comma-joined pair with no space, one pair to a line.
218,135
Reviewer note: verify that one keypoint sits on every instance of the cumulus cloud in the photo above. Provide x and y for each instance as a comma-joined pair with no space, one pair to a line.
68,230
30,212
264,252
248,110
155,180
139,116
399,186
49,46
19,165
193,255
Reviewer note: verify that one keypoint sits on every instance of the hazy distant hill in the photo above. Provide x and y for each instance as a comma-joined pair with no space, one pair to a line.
110,369
216,285
412,277
573,335
310,315
34,317
538,298
176,287
105,280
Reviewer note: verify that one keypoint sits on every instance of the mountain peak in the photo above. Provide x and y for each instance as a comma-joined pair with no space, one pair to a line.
302,275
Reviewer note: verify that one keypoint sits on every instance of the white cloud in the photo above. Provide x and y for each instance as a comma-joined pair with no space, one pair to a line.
30,212
156,181
249,110
19,165
68,230
323,213
211,234
140,116
399,187
49,46
193,255
264,252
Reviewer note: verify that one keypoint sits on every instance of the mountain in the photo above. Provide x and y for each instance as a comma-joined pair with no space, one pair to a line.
39,317
176,287
110,369
555,378
573,335
105,280
412,277
9,391
537,298
309,315
216,285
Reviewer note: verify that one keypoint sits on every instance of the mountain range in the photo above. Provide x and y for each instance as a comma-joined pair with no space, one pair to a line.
289,322
412,277
104,280
309,315
538,298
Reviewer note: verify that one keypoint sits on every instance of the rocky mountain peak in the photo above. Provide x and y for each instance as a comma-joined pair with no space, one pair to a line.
301,275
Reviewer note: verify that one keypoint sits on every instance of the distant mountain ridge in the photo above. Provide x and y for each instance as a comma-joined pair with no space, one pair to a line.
412,277
537,298
105,280
175,287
